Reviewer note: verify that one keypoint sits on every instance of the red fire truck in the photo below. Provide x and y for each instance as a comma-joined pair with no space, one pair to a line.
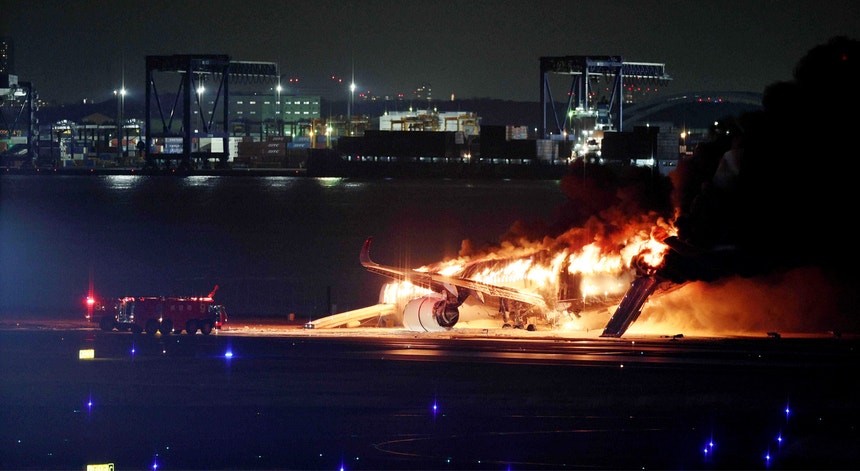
151,314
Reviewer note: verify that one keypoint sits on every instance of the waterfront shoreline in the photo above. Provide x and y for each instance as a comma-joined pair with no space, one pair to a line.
328,167
133,171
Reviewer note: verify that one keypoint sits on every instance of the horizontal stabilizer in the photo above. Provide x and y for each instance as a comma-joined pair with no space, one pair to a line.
345,319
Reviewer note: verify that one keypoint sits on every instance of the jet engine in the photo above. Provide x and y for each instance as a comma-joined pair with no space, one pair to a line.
431,313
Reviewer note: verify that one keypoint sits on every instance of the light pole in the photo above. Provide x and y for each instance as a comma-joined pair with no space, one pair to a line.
199,111
349,109
120,105
278,111
683,146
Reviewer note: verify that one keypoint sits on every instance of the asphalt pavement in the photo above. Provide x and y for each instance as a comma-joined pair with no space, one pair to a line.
275,396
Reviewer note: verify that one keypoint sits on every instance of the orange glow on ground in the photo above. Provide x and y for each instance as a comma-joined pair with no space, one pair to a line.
802,300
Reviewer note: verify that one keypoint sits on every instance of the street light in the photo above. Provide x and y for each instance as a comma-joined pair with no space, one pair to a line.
349,109
120,109
279,111
683,143
199,110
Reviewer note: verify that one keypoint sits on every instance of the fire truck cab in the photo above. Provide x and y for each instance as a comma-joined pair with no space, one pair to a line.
151,314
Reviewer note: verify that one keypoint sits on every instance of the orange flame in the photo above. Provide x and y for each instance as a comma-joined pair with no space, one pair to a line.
603,270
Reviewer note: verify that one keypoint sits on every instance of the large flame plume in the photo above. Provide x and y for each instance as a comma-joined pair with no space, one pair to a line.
600,269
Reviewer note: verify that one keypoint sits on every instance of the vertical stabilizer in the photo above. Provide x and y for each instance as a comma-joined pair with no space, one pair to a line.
630,307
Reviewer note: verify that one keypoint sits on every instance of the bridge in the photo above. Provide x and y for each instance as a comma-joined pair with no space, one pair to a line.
639,113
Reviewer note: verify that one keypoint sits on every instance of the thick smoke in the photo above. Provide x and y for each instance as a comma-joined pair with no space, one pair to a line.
773,187
774,183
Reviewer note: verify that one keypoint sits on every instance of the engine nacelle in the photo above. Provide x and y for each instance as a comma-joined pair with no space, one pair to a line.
431,313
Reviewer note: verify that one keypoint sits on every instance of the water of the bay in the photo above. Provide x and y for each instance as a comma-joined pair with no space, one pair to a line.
273,245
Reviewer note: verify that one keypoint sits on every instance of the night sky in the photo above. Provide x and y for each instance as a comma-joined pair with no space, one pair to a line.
474,49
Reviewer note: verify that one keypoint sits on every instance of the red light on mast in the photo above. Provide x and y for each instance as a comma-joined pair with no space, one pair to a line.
90,303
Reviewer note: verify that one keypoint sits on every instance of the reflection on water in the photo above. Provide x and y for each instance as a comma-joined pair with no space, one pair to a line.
121,182
275,245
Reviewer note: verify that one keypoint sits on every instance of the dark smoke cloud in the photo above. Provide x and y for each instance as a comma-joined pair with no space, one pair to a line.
797,162
777,239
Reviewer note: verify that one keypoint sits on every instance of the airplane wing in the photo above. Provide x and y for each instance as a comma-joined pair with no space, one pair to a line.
430,279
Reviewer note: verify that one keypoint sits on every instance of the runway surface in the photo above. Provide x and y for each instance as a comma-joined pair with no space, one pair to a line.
270,395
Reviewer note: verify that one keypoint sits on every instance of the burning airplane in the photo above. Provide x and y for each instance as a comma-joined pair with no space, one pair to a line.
535,286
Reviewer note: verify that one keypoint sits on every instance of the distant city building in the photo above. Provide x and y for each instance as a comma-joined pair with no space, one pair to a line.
270,113
424,92
299,108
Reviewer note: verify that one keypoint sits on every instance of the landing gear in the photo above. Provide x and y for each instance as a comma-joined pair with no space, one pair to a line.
514,315
529,327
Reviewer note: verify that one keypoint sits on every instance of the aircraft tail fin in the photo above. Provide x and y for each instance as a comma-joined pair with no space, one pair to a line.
631,306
